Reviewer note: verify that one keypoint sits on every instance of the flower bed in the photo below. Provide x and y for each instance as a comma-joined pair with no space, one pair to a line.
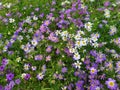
59,45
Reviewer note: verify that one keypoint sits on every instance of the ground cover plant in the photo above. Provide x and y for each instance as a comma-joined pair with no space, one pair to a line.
59,45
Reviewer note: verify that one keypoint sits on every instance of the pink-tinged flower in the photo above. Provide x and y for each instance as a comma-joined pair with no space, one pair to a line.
64,70
46,23
118,64
40,76
38,57
17,81
44,68
107,3
43,28
93,71
49,49
57,51
111,84
53,37
7,87
117,41
34,68
60,76
48,58
11,84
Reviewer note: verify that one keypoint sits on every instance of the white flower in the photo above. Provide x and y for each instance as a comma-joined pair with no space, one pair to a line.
107,13
5,49
77,43
0,3
30,30
95,44
18,59
58,32
92,0
28,20
88,26
35,18
77,64
71,35
27,36
20,38
64,38
7,5
97,88
34,42
72,50
26,67
11,20
76,56
83,42
94,39
64,88
113,30
80,32
80,43
26,49
64,33
77,37
23,75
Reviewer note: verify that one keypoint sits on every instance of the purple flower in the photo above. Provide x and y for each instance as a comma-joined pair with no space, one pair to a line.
79,85
4,61
9,76
1,87
17,81
48,58
93,71
60,76
38,57
107,3
2,67
64,70
40,76
93,53
37,9
44,68
49,49
11,84
43,28
111,84
53,37
0,35
100,25
118,64
66,50
76,73
100,58
57,51
34,68
46,23
7,87
70,86
27,77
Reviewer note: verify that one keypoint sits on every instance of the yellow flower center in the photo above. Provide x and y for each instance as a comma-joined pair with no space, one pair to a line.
111,84
92,70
